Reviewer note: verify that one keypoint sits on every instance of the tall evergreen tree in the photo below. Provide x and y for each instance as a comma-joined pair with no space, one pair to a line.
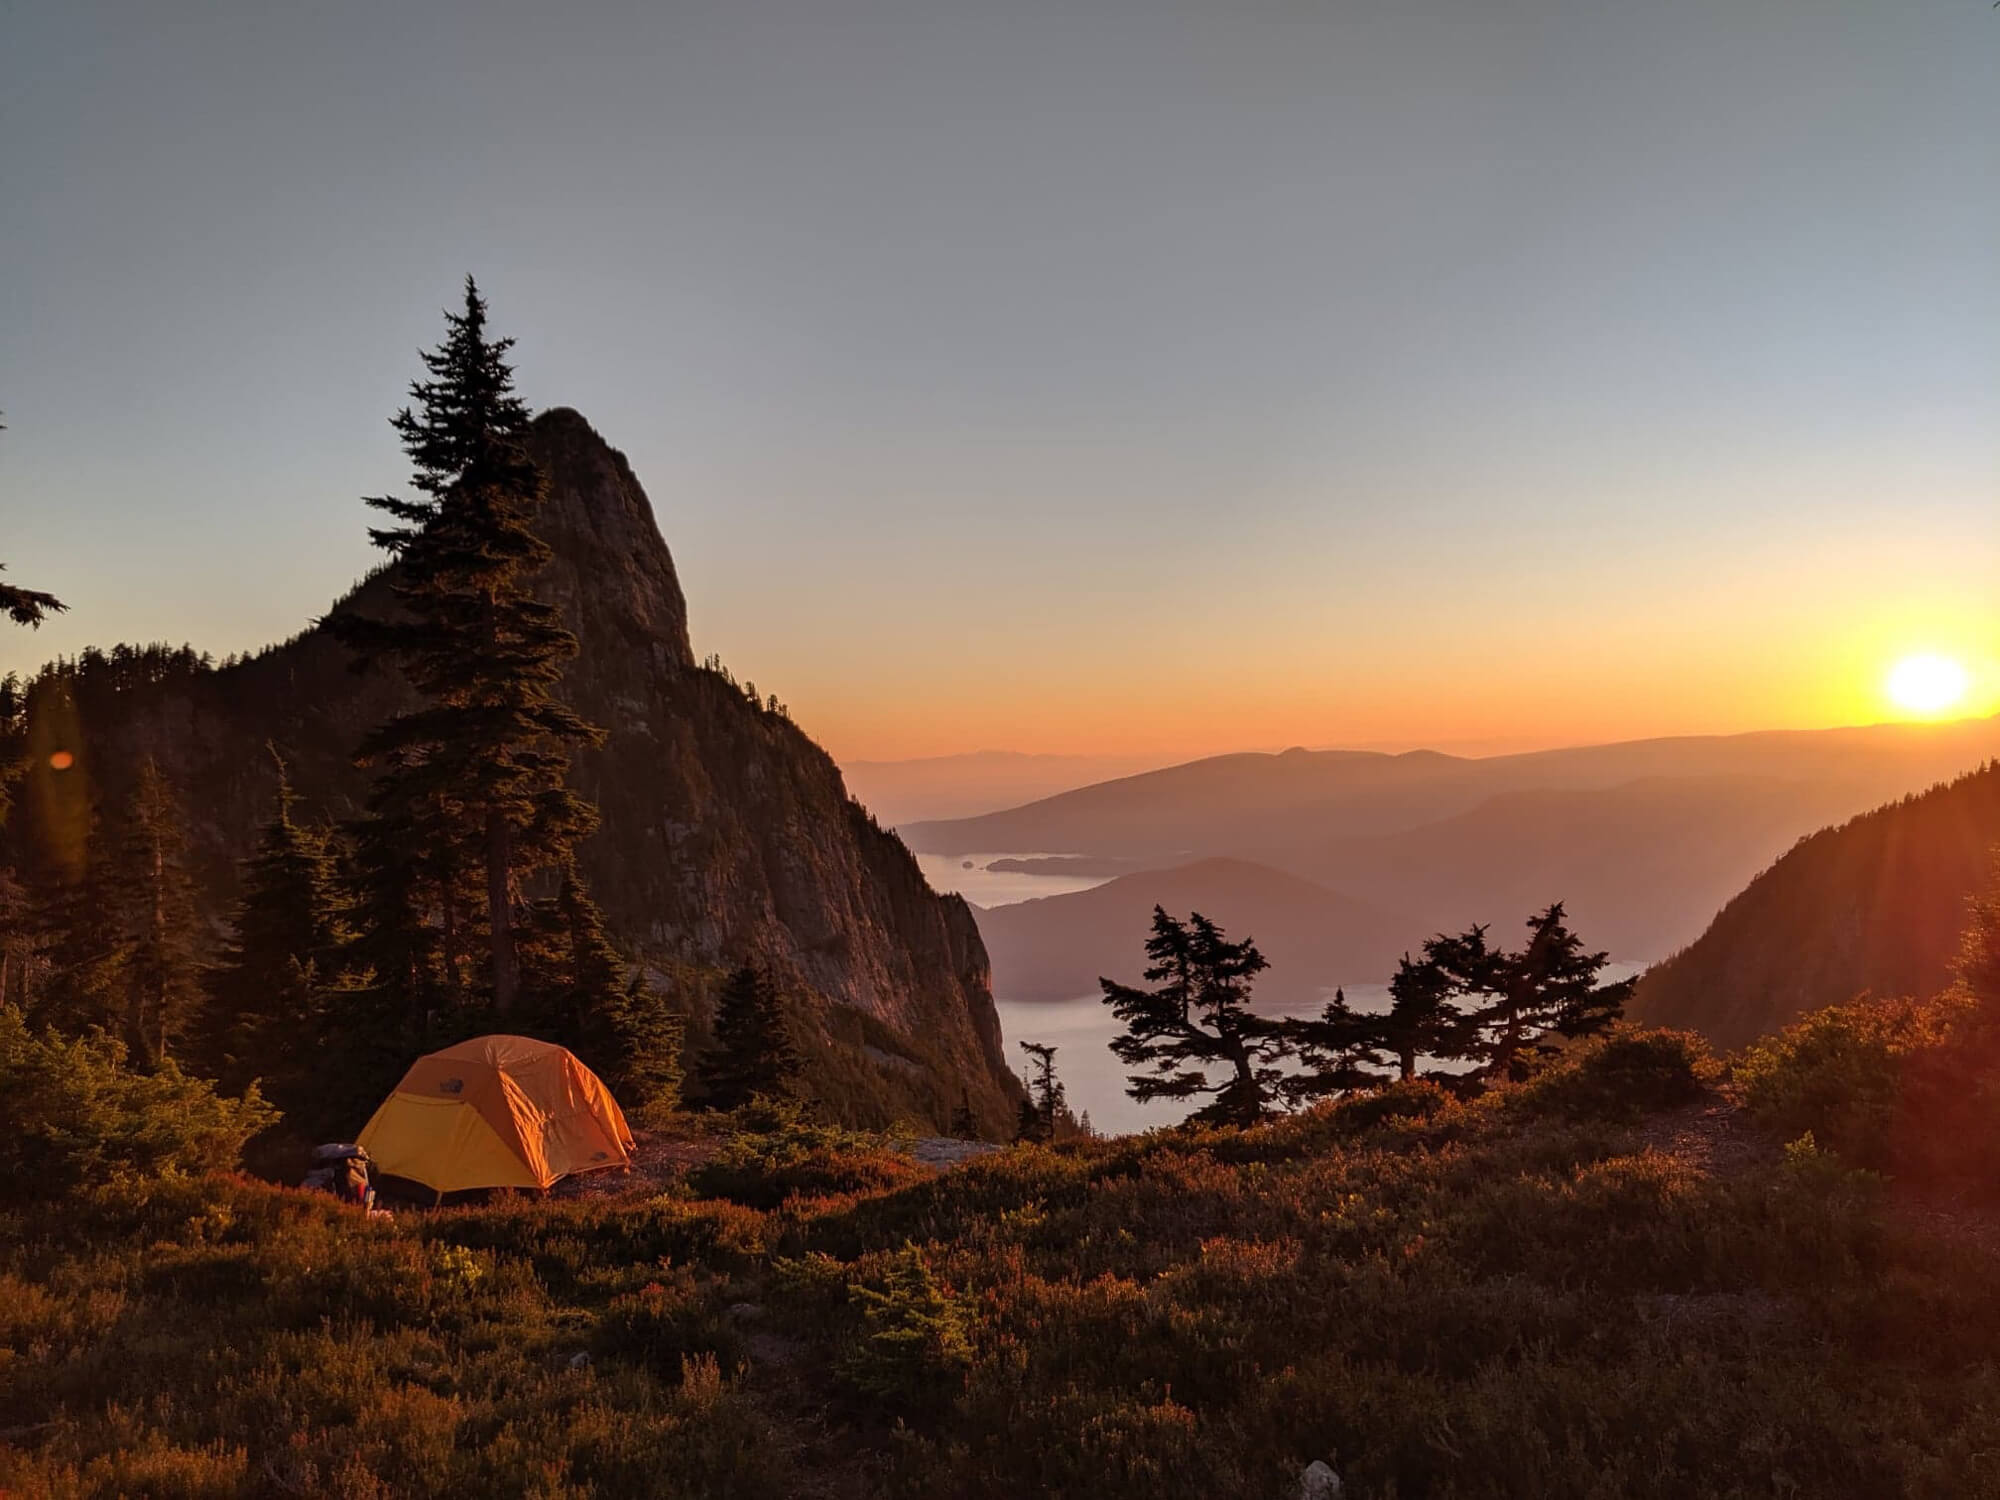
1047,1104
620,1027
753,1054
1548,985
1197,1016
76,923
1028,1122
474,779
406,896
964,1123
17,940
1470,1000
1342,1049
266,995
155,901
1593,1007
1423,1020
18,936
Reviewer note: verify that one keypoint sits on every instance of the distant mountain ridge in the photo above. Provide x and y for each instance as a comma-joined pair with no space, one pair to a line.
1643,840
1056,947
1251,802
1641,865
1876,904
957,786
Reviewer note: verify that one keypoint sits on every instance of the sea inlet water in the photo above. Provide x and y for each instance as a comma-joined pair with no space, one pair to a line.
1091,1073
968,876
1081,1029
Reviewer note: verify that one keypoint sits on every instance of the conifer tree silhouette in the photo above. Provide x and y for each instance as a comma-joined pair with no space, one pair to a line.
26,606
154,896
1198,1015
266,995
621,1029
1343,1049
470,802
1047,1105
753,1054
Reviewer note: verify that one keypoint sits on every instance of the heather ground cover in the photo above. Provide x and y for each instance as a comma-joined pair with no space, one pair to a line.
1537,1293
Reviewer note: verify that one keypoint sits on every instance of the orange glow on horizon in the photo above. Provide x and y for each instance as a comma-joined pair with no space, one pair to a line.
1619,684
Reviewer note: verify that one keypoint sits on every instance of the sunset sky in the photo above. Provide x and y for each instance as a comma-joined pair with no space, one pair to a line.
1073,377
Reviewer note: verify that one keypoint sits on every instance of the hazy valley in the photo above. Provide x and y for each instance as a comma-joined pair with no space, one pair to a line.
1645,842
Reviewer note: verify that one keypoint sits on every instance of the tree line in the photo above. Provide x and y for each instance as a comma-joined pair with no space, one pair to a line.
454,904
1191,1034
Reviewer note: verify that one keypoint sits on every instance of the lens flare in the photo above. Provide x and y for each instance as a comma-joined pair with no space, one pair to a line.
1927,684
62,760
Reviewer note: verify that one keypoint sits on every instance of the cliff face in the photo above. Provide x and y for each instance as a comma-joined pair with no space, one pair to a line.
728,834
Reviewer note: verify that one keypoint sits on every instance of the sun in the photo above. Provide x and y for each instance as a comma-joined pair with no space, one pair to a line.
1927,684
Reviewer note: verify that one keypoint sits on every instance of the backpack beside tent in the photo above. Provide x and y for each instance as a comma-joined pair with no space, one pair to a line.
342,1169
497,1111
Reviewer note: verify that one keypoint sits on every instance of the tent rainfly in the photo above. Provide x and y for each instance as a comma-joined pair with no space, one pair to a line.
497,1111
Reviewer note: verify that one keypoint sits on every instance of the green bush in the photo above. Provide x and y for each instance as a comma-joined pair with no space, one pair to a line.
1409,1111
73,1114
674,1318
1623,1075
1838,1074
914,1349
1405,1099
764,1168
219,1337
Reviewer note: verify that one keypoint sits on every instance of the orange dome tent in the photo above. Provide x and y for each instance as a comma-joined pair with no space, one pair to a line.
497,1111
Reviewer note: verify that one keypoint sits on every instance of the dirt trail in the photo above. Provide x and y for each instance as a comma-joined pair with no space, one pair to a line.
1711,1134
1714,1135
657,1164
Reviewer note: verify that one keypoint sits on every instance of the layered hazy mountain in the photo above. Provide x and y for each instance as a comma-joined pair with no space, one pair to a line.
1056,948
1644,840
1260,802
958,786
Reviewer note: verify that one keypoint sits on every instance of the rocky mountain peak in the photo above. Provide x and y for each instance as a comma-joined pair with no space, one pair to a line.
727,834
613,572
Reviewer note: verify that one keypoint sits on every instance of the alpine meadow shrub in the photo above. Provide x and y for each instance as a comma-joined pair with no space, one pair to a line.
1623,1075
1838,1073
1506,1298
914,1349
762,1168
675,1317
188,1336
74,1114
